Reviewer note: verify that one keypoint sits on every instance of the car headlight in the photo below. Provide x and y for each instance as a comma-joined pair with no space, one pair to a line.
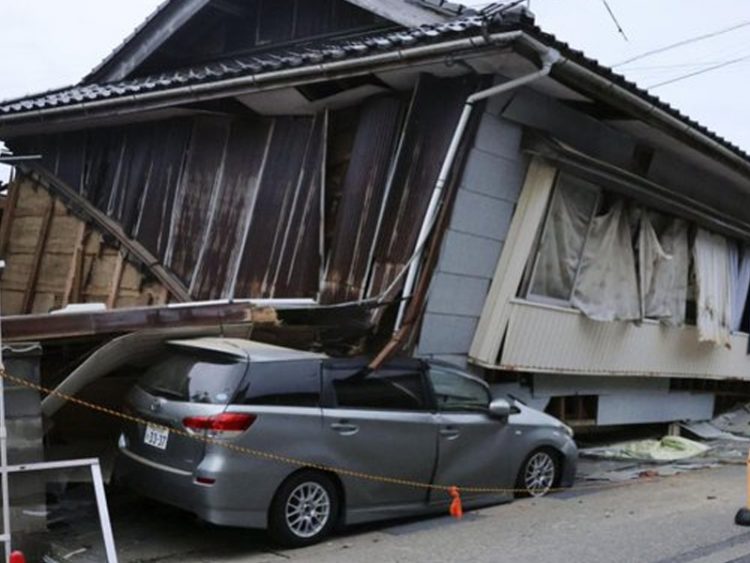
568,430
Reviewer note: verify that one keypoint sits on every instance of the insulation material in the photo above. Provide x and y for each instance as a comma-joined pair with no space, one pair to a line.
607,288
564,235
714,300
739,264
663,261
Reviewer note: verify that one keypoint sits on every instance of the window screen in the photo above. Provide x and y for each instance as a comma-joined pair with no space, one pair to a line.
382,390
283,383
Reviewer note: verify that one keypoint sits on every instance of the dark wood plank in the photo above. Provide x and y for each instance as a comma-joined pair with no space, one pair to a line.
30,291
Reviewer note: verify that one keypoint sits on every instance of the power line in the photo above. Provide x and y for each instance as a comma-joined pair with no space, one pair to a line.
682,43
697,72
614,19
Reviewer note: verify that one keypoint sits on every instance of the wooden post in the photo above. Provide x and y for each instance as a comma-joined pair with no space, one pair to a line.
74,281
28,296
8,213
114,287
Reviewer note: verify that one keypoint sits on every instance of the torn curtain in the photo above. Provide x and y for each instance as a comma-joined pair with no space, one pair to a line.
714,300
607,287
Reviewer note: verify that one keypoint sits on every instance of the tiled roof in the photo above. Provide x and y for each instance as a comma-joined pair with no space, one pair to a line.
318,52
297,56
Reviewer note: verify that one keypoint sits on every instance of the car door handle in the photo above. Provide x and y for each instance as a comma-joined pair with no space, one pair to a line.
345,428
450,432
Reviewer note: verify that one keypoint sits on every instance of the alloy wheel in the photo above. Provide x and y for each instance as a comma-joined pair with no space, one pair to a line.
308,509
539,474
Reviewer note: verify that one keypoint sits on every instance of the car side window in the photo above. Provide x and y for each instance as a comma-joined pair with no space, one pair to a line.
455,392
392,390
291,384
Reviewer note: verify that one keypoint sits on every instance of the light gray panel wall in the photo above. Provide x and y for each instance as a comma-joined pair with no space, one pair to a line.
641,406
447,335
452,294
489,189
550,385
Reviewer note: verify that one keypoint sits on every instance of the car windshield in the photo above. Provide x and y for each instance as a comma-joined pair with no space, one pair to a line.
194,377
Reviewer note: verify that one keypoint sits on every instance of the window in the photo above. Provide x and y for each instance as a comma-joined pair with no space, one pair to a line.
573,206
393,390
294,384
456,392
195,377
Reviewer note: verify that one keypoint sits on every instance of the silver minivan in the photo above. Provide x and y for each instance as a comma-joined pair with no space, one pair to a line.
300,443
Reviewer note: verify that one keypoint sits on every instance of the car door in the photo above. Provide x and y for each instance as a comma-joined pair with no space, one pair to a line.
472,445
380,424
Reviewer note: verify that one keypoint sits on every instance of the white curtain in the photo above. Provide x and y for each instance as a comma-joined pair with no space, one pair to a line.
739,264
607,287
663,268
560,249
714,300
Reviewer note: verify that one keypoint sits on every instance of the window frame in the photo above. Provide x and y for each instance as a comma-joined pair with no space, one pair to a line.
329,399
461,375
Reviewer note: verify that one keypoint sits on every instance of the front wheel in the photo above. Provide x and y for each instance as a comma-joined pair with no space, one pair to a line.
304,510
538,474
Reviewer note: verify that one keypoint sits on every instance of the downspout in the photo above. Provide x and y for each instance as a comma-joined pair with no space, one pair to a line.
548,58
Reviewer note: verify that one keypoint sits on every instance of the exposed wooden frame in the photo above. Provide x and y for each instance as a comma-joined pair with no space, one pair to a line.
8,214
108,225
114,288
75,272
28,295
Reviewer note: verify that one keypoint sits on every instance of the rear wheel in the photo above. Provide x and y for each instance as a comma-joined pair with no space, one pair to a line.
304,510
539,472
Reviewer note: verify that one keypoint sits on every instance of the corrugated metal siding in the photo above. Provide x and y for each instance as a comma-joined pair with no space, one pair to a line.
363,191
431,121
543,338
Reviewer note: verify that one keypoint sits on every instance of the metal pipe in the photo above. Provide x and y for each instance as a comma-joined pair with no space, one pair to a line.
549,57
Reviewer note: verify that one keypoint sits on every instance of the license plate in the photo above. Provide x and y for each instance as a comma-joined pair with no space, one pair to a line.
156,436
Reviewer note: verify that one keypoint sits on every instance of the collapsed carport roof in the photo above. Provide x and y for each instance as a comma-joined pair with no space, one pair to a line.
356,56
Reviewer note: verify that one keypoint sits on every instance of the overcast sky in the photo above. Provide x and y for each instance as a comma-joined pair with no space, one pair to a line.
51,43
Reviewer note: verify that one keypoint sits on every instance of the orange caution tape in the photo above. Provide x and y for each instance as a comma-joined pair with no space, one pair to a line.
457,510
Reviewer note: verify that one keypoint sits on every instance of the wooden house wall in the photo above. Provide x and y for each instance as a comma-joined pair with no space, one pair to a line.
235,207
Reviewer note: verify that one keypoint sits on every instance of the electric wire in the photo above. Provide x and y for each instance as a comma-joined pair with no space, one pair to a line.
698,72
614,19
682,43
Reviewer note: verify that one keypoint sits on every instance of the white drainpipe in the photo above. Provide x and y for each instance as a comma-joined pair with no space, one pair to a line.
548,57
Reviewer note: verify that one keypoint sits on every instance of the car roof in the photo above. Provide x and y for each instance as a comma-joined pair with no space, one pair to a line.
247,349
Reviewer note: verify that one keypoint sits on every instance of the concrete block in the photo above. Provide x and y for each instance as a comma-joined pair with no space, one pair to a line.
498,136
446,334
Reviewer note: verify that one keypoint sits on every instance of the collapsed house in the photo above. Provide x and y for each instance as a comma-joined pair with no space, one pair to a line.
340,169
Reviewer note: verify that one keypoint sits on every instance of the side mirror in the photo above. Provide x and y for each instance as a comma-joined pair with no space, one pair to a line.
500,408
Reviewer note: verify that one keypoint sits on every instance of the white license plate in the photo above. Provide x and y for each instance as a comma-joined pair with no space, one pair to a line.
156,436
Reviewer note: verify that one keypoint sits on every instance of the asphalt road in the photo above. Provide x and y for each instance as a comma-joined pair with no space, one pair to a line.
680,519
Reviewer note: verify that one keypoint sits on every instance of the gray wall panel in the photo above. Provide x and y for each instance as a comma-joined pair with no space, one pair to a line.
446,335
492,175
457,295
469,255
481,215
639,406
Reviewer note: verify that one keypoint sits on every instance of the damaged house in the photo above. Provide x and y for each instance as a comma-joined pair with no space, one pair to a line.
327,172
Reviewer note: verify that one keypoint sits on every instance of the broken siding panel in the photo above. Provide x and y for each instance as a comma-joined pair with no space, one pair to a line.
283,188
246,152
363,191
298,269
167,165
433,116
195,194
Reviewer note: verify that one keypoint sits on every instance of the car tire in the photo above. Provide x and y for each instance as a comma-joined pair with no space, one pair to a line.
539,473
305,509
